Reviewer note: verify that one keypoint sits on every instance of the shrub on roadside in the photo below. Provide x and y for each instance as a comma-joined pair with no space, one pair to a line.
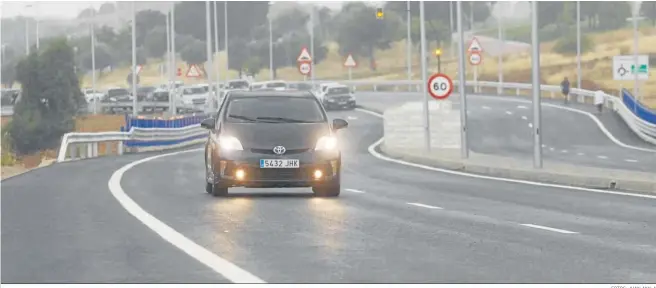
567,44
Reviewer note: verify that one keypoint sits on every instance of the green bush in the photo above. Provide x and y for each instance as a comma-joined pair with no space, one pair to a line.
567,44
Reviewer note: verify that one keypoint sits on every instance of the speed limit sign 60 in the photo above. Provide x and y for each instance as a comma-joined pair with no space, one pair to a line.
304,68
440,86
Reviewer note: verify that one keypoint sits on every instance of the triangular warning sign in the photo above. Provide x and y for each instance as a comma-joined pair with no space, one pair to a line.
475,46
350,62
304,56
193,71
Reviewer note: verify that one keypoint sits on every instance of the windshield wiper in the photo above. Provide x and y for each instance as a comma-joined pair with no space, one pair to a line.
282,119
242,117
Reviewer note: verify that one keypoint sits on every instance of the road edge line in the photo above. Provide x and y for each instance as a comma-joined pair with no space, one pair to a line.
223,267
372,150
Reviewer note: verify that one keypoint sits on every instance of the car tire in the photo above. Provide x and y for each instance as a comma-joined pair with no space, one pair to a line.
218,191
330,190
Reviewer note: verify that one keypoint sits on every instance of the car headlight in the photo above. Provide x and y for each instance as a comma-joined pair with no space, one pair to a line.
326,143
230,143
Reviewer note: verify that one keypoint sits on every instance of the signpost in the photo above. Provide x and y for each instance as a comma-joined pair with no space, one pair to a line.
304,59
440,86
193,72
438,53
475,48
350,63
624,67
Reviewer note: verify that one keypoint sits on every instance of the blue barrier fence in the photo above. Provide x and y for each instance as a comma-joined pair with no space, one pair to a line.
160,122
638,108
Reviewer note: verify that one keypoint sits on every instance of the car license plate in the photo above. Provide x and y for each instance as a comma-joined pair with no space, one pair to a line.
279,163
343,103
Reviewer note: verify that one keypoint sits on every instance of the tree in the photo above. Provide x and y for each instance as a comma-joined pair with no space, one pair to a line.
195,52
8,73
155,43
86,13
103,58
50,98
613,14
106,8
439,10
106,35
648,10
360,32
147,20
238,55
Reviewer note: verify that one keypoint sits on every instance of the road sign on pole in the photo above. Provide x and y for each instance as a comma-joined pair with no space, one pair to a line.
624,67
440,86
475,58
350,62
475,46
194,71
304,56
305,67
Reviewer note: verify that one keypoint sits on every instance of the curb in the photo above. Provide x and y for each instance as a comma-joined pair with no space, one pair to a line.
550,177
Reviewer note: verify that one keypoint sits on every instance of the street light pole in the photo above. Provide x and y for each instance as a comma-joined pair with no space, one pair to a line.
312,45
93,65
169,60
27,33
208,70
422,35
501,50
578,45
36,19
216,45
464,149
134,59
535,62
636,65
225,43
408,43
173,96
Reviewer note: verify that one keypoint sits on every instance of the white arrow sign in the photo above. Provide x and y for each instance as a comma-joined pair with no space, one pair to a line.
350,62
304,56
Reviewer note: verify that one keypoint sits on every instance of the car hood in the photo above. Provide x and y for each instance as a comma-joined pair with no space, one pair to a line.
268,135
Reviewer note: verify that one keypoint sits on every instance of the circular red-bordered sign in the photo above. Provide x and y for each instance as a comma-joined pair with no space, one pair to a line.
475,58
440,86
304,67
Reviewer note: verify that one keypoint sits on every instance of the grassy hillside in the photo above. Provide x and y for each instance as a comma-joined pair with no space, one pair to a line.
596,66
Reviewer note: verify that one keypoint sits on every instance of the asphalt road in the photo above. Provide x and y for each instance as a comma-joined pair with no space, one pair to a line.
503,126
393,223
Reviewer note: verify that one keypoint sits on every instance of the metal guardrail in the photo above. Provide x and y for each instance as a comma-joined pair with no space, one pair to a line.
141,140
151,139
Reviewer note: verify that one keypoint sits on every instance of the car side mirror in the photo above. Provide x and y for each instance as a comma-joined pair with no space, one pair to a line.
208,124
339,124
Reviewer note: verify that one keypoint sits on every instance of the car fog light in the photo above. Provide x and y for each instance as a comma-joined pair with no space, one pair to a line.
240,174
317,174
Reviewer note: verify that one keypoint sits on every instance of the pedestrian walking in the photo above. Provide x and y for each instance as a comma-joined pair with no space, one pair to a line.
564,87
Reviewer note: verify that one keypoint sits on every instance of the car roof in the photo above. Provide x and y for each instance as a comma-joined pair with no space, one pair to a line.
292,93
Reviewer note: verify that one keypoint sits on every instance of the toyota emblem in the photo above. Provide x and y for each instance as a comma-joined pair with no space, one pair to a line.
279,150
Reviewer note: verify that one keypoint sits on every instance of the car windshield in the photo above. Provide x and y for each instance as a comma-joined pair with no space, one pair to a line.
238,85
193,90
276,85
274,109
338,90
117,92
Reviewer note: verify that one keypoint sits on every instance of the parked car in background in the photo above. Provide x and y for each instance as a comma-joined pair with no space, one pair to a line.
117,95
92,95
337,96
144,91
299,86
238,84
159,95
10,96
193,95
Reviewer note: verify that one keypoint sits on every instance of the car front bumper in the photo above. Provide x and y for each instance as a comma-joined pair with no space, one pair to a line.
226,167
339,104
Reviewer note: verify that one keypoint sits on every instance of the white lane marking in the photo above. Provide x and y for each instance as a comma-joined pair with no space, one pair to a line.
521,107
551,149
550,229
590,115
524,118
580,153
509,113
227,269
563,151
486,108
354,190
424,205
602,157
373,152
530,125
352,118
631,160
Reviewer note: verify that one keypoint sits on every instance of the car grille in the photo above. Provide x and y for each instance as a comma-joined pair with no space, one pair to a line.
198,101
340,98
300,174
270,151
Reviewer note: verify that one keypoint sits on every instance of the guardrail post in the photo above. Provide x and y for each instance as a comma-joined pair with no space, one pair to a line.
95,150
119,148
517,91
580,98
73,150
552,94
375,88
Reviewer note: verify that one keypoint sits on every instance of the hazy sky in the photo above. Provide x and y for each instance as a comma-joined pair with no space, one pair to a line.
70,9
